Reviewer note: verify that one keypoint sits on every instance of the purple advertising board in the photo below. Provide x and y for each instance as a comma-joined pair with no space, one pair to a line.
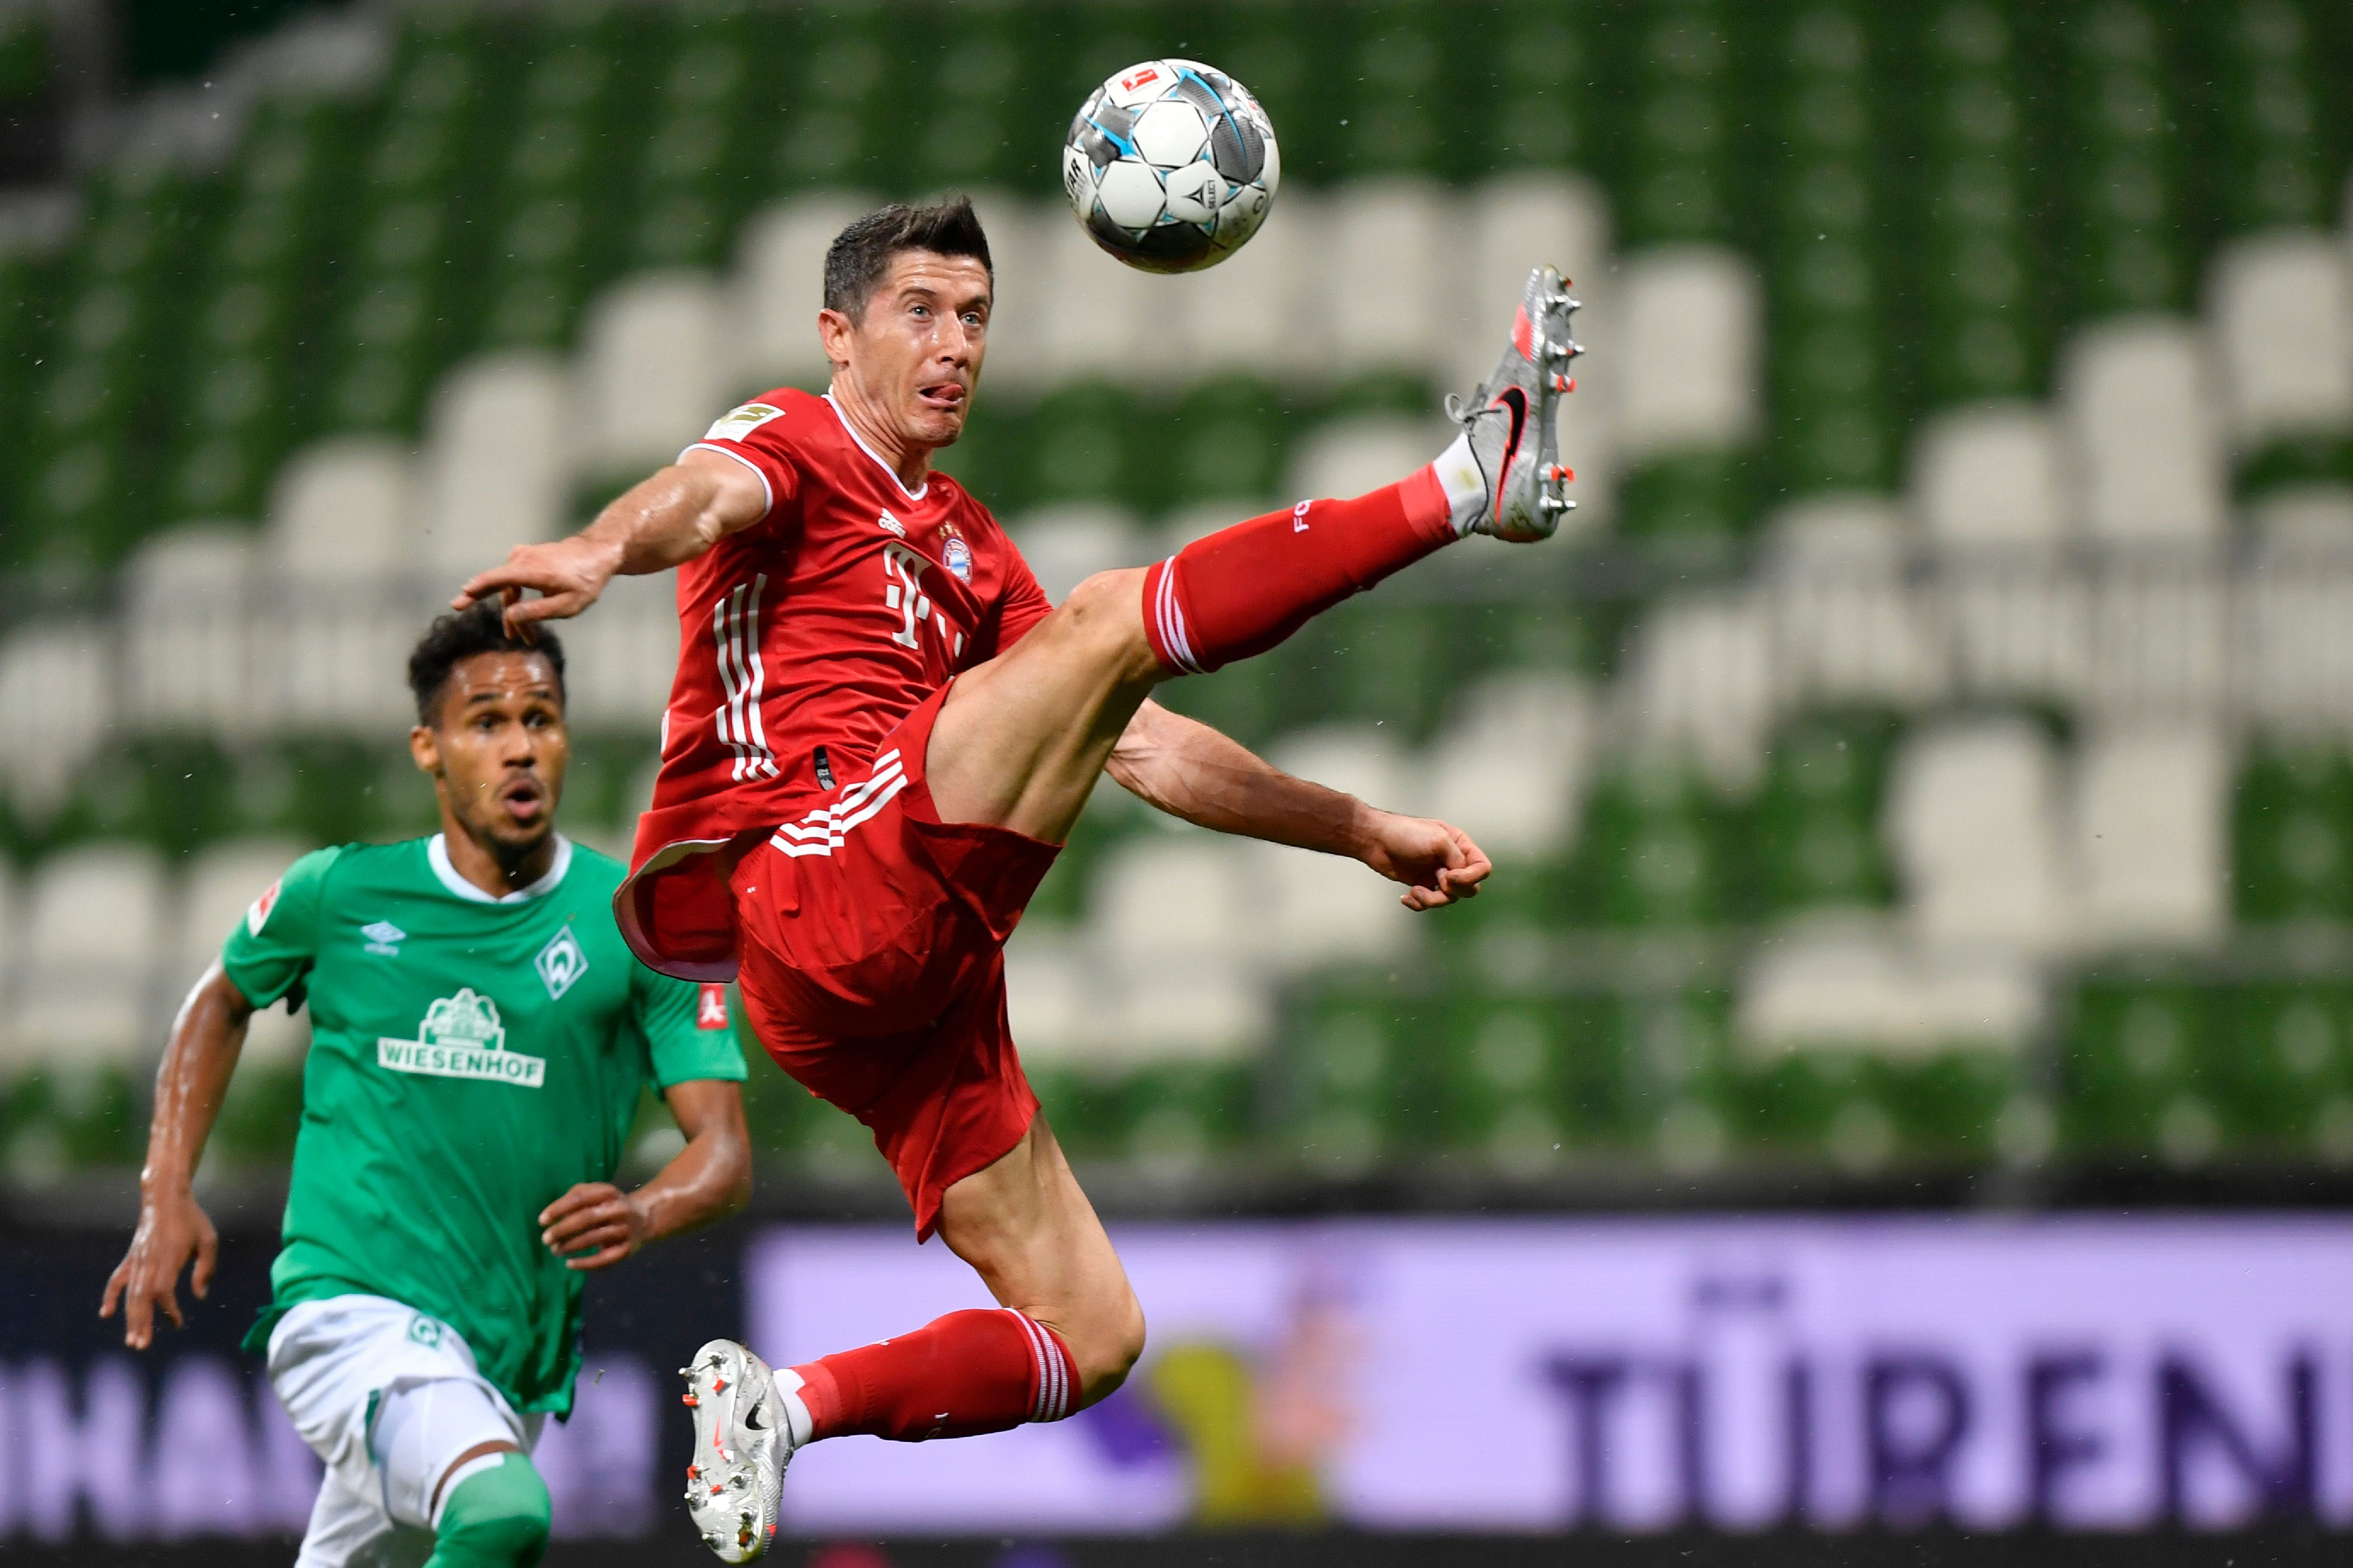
2091,1372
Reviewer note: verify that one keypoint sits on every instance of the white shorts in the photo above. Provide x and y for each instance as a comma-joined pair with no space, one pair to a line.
387,1397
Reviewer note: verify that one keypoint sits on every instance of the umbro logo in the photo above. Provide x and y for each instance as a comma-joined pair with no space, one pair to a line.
383,937
890,524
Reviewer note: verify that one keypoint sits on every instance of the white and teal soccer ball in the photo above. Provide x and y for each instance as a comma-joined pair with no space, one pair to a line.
1171,165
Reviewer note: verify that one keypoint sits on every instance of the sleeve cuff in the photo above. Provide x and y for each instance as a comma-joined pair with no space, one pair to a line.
767,490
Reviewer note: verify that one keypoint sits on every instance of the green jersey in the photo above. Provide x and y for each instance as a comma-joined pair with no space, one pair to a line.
472,1057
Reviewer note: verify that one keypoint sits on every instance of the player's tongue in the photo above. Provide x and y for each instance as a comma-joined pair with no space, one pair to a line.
942,394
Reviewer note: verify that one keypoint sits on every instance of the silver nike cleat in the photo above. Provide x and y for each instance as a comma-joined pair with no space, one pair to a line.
743,1441
1511,418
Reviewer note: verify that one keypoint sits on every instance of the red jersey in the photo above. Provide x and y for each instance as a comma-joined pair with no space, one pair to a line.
803,640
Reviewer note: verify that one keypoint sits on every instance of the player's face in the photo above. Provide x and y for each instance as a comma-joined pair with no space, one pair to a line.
916,353
498,749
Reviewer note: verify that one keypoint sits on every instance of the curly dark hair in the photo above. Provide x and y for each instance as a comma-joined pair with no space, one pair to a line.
861,254
457,636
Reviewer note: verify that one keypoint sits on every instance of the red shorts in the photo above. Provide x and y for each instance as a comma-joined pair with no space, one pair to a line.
871,941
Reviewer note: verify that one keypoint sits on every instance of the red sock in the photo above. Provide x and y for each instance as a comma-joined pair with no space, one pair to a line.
1243,589
955,1376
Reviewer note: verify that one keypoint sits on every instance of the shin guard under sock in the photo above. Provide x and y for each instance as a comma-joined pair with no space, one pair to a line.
965,1373
1243,589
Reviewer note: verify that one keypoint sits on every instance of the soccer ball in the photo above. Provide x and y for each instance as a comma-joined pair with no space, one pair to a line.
1171,165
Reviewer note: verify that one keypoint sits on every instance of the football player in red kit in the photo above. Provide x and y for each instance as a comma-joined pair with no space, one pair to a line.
880,733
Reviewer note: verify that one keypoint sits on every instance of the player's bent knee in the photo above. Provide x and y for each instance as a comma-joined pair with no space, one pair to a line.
1106,1355
497,1518
1106,610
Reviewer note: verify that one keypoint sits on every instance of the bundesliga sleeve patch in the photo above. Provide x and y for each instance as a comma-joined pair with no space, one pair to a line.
712,1013
738,423
258,916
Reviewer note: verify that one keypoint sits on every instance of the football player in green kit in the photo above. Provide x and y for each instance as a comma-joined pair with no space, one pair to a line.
479,1039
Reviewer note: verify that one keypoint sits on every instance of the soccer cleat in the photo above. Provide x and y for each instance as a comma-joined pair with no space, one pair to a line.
1510,420
744,1438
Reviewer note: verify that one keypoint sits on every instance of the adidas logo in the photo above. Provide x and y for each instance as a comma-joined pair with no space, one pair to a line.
890,524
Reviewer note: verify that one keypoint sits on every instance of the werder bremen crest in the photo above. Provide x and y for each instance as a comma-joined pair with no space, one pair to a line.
461,1038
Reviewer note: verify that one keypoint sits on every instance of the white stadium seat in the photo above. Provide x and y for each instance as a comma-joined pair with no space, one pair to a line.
1854,986
1699,682
1188,1007
1515,224
97,920
1066,545
221,888
780,288
1020,233
653,371
1389,251
2283,324
1347,458
188,619
1988,476
1510,768
342,510
1169,895
2304,523
497,462
2152,820
1690,352
56,704
1051,992
1245,314
1102,311
2148,459
1321,909
1846,626
620,655
1972,819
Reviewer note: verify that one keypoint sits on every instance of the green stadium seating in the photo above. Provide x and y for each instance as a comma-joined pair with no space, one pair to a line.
2291,840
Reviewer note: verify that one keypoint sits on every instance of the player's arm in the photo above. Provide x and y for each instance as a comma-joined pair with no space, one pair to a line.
1190,771
596,1224
660,522
189,1088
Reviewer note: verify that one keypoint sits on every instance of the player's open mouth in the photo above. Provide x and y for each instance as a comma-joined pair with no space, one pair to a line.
524,800
944,395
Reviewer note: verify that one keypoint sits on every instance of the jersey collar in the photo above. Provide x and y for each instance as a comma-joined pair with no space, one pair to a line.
436,854
853,429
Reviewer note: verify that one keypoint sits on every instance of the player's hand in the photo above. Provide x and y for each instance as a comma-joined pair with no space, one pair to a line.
1438,864
170,1228
594,1226
567,575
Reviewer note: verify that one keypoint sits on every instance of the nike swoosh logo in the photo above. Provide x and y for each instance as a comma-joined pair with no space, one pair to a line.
1516,401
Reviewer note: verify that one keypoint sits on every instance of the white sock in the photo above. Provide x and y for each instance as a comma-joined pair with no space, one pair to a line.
1465,486
798,1419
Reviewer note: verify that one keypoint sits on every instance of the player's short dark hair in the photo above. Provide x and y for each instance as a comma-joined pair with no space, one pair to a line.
458,635
861,254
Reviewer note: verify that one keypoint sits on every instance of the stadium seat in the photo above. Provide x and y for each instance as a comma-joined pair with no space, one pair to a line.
56,706
1349,456
1242,315
620,657
2150,831
221,886
1345,1070
1972,817
1506,1094
1187,1006
341,512
2133,402
1847,626
653,371
1066,545
1690,350
1389,281
1173,895
2281,1071
497,466
1510,768
1102,316
1515,222
188,615
1319,910
1813,839
1698,677
1989,477
2292,834
2282,309
1844,984
1052,994
97,927
780,287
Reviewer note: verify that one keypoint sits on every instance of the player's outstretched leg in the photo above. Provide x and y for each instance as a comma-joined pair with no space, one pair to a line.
1065,1337
1021,740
